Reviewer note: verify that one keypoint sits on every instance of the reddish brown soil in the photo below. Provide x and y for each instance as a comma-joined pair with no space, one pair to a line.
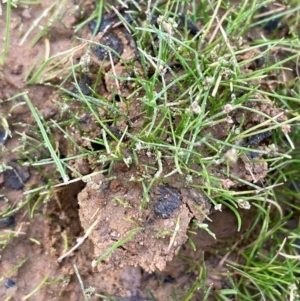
150,261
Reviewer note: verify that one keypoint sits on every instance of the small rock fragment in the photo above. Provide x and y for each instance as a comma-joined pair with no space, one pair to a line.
256,139
83,85
190,25
16,177
260,61
111,43
9,283
168,201
7,222
3,137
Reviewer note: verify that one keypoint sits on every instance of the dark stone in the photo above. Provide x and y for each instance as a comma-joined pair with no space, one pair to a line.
3,137
260,61
105,22
9,283
16,177
192,27
115,131
112,43
168,201
7,222
83,84
272,24
256,139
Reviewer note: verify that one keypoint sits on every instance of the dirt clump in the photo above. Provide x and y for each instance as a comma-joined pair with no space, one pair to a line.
159,228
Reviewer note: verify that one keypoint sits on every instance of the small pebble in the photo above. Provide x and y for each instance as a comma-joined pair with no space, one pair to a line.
256,139
260,61
9,283
112,42
7,222
3,137
83,85
168,201
190,25
2,197
272,24
16,177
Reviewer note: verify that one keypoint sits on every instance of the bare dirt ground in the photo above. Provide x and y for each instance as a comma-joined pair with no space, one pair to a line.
147,262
